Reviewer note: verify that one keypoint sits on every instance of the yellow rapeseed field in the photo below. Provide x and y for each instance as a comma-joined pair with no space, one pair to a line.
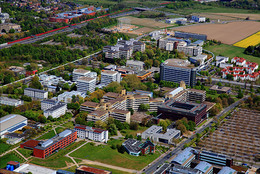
251,40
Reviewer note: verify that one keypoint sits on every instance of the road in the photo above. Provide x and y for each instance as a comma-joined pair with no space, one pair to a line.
228,82
153,167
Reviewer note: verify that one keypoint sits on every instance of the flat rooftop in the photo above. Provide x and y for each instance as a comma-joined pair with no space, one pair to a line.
92,170
178,63
25,168
10,120
81,71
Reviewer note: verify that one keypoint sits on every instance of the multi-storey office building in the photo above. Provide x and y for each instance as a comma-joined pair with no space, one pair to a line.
119,103
77,73
134,64
154,103
56,111
89,106
10,101
67,96
110,76
36,93
190,35
110,96
98,114
190,50
194,95
176,110
95,134
60,141
184,158
215,158
85,84
134,101
48,103
121,115
138,46
177,70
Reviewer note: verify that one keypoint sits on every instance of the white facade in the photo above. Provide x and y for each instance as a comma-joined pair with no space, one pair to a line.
91,133
46,104
77,73
36,93
10,101
121,115
67,96
85,84
56,111
110,76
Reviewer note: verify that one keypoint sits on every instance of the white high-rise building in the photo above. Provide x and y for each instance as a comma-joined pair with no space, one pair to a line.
77,73
85,84
110,76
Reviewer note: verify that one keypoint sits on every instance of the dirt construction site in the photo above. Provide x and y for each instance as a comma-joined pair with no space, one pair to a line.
238,137
228,33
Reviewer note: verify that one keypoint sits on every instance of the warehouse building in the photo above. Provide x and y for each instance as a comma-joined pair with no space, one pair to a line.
11,123
177,70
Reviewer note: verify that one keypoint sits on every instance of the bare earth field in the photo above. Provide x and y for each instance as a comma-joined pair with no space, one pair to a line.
214,16
228,33
147,22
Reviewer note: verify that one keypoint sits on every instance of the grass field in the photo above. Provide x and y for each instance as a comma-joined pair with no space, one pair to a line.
25,152
104,154
69,125
133,132
208,9
9,157
4,147
59,129
250,41
231,51
72,169
48,135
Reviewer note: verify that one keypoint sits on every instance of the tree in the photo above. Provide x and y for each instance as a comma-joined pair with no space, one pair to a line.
134,125
12,30
144,107
100,124
112,129
35,83
182,128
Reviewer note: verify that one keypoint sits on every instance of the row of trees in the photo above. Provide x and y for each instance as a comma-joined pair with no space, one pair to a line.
253,50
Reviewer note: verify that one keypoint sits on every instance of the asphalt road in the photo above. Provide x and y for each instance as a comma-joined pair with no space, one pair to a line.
177,150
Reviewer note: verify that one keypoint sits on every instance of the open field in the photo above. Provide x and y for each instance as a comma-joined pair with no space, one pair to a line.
240,15
4,147
107,155
250,41
25,152
228,33
48,135
199,8
238,137
9,157
231,51
146,22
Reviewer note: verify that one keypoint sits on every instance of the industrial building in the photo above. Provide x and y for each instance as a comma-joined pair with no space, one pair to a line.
175,110
110,76
86,84
60,141
177,70
11,123
190,35
91,133
36,93
155,133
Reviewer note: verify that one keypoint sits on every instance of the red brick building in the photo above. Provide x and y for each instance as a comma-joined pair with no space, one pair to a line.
91,170
46,148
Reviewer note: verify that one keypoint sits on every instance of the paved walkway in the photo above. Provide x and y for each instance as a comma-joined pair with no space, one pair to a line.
20,154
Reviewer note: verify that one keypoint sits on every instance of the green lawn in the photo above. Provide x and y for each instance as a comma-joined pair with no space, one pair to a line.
25,152
59,129
48,135
4,147
104,154
133,132
208,9
12,156
69,125
57,160
231,51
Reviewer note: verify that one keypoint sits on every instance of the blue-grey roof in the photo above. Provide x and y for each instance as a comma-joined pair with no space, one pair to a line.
64,172
203,166
183,156
58,106
35,90
227,170
198,42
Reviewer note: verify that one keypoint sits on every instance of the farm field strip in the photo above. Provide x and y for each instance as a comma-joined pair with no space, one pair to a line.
249,41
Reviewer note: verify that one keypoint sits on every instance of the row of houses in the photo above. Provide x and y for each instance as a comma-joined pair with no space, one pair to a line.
243,71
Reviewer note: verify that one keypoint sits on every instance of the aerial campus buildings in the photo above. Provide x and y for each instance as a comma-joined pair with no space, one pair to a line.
43,149
135,147
177,70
